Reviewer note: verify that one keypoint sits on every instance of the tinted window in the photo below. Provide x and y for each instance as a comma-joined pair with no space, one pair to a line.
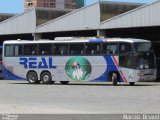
146,60
30,49
127,61
141,47
60,49
125,48
76,49
45,49
110,48
18,50
93,48
9,50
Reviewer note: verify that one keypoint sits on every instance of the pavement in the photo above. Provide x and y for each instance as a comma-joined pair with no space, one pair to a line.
19,97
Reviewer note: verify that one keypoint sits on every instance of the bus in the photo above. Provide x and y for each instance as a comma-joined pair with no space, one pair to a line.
65,59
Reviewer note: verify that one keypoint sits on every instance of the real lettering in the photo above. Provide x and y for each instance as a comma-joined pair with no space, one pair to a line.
35,63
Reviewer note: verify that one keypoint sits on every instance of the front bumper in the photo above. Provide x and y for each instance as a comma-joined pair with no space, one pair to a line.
148,78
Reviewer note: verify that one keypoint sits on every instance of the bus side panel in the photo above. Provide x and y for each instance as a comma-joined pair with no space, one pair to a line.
130,74
12,70
58,73
87,68
69,68
112,66
80,68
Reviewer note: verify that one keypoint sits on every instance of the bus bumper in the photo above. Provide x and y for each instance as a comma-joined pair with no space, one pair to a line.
148,78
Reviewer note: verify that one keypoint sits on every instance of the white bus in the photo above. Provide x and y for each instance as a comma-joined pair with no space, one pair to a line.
79,59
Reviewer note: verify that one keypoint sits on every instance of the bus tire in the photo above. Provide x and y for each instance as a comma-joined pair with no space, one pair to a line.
131,83
46,78
114,77
64,82
32,78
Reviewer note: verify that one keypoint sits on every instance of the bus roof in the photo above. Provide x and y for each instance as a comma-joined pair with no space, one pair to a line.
76,40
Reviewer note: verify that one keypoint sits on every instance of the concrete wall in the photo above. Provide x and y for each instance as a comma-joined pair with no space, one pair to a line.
147,15
82,19
19,24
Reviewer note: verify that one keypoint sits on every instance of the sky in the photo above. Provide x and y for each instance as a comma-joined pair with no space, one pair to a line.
17,6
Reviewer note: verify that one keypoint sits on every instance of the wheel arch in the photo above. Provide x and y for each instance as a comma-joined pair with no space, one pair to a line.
110,75
37,80
31,71
44,72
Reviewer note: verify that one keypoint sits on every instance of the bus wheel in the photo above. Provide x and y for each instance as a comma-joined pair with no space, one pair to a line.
114,78
132,83
46,78
64,82
32,78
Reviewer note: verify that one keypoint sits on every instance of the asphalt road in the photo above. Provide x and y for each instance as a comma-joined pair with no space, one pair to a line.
19,97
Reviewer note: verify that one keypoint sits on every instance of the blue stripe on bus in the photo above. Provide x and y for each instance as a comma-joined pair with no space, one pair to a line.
10,76
96,41
110,67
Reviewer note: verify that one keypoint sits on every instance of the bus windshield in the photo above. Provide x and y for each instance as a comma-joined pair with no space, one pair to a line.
145,55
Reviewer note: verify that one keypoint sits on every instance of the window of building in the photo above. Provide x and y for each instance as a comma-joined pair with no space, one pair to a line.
46,5
30,4
52,1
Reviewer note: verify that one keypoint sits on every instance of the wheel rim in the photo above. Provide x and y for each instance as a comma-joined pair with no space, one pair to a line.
32,77
114,78
46,78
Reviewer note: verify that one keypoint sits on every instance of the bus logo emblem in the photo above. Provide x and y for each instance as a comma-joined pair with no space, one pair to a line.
78,68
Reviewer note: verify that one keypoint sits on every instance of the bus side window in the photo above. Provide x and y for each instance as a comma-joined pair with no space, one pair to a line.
18,50
9,50
45,49
110,49
30,49
76,49
125,48
93,48
61,49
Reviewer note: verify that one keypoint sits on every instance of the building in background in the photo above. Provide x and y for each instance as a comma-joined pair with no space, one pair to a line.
4,16
59,4
44,15
109,9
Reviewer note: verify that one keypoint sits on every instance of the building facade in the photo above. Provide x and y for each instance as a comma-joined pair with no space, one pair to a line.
60,4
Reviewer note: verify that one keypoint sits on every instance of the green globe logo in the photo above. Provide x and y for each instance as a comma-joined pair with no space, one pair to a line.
78,68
